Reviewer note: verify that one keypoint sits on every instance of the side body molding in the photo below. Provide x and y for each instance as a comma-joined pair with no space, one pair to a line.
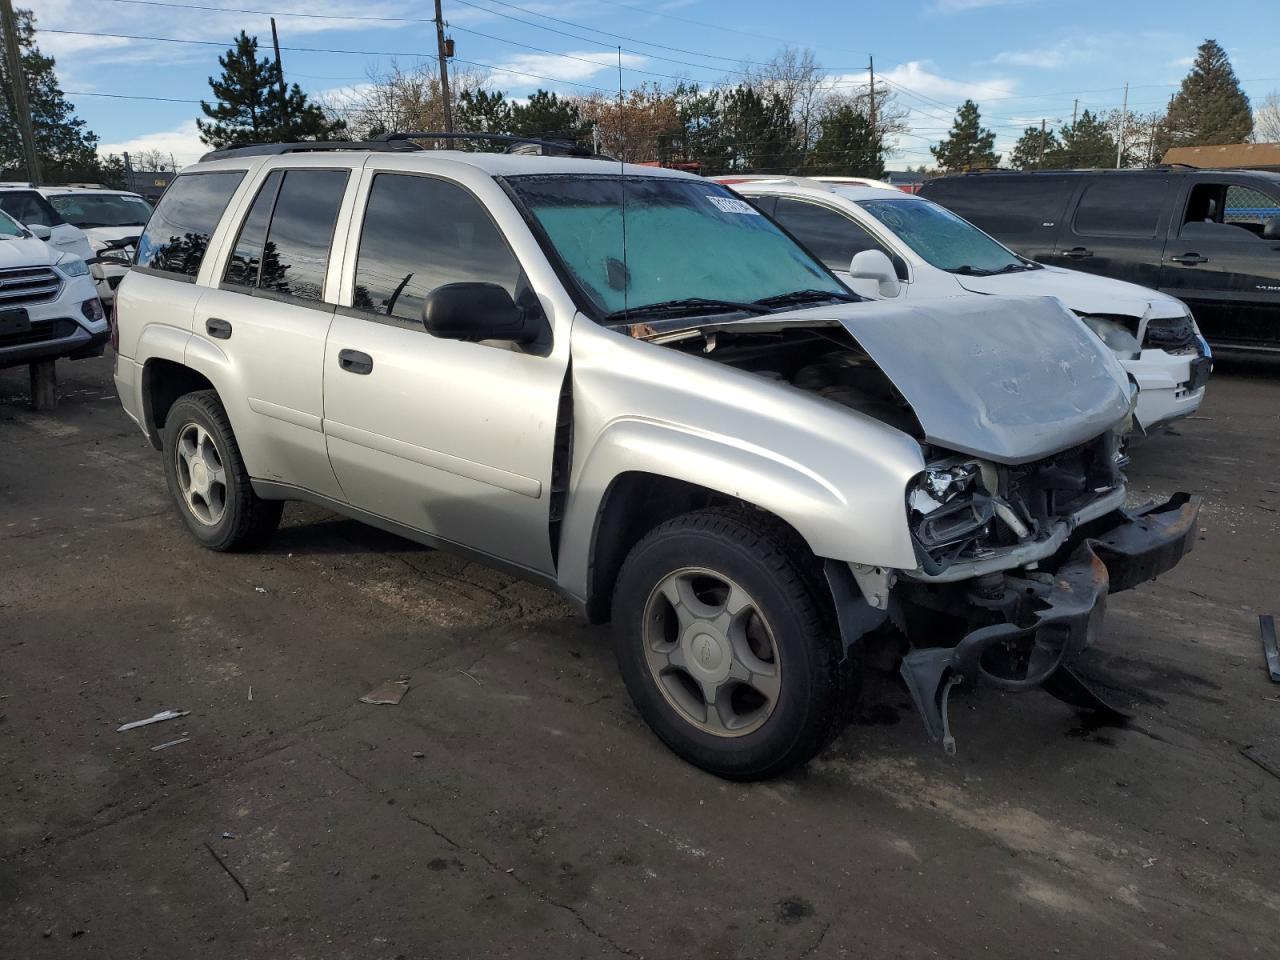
837,477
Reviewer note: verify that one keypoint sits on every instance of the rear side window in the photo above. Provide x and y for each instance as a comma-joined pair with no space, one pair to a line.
284,243
178,232
420,233
1009,206
1120,206
27,207
832,236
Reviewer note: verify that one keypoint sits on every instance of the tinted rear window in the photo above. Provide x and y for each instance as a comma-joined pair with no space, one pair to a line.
178,232
1004,205
832,236
1121,206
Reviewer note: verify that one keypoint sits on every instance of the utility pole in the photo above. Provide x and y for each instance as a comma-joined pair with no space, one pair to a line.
1124,112
13,63
1040,158
1075,108
284,100
871,70
444,71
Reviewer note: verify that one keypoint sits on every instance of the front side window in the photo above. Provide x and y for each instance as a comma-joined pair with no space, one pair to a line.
831,235
1249,208
684,240
1121,206
942,239
283,245
10,228
88,210
27,206
420,233
178,232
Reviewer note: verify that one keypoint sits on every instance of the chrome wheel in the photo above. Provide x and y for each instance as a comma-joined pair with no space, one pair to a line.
711,652
202,479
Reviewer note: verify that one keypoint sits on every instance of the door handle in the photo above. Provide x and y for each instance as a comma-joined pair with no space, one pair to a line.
217,328
1077,253
353,361
1190,259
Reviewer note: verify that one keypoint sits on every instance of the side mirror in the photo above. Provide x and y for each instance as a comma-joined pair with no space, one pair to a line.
39,231
1271,228
873,274
476,311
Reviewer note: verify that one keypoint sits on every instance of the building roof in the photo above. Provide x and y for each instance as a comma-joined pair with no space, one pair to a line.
1251,156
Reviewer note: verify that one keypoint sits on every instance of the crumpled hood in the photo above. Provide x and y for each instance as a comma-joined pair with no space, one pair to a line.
1082,292
26,252
98,236
1010,379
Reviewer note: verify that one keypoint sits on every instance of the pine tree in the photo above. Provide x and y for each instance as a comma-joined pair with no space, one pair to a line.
970,145
545,114
479,111
1033,148
1210,108
249,108
847,145
760,131
701,119
65,148
1086,143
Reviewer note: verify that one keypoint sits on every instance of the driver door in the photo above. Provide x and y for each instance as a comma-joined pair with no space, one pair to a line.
451,438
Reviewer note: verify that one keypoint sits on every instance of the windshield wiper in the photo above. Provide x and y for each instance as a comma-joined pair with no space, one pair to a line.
689,305
971,271
805,296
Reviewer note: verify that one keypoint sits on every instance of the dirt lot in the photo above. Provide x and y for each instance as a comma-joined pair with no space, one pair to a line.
514,804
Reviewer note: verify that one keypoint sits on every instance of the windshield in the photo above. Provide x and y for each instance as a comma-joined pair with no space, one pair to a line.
10,228
942,239
87,210
689,244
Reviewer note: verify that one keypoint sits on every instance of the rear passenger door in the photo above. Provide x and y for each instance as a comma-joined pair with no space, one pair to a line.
270,315
448,437
1117,227
1218,260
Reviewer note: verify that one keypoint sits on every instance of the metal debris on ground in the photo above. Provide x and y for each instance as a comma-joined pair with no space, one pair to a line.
159,717
470,677
1267,628
171,743
391,692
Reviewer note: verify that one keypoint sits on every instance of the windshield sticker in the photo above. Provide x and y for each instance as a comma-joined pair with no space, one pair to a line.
733,205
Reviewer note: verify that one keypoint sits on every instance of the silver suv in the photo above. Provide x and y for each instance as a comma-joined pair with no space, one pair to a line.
629,385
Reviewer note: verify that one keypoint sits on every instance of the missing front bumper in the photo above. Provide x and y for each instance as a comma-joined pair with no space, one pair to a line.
1041,625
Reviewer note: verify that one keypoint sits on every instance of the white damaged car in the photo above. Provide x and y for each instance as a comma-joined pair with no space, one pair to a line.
889,245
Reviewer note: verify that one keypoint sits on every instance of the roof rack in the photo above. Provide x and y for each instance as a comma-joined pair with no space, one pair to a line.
407,140
1152,169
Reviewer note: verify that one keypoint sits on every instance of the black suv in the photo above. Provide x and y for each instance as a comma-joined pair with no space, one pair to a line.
1209,237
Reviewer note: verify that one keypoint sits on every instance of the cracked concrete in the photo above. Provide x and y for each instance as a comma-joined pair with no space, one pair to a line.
513,804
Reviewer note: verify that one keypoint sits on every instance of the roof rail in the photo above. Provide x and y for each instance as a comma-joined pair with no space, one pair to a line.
401,141
1152,169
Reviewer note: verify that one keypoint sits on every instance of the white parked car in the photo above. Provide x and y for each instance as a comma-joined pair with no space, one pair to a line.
886,244
48,305
30,208
111,219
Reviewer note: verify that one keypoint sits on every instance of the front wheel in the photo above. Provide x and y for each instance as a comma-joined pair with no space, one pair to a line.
723,644
208,479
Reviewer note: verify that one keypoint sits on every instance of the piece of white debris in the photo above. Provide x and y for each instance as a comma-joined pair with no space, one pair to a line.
171,743
251,693
261,589
391,693
159,717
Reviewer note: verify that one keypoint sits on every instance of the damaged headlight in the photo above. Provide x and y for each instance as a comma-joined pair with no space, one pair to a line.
1114,335
947,505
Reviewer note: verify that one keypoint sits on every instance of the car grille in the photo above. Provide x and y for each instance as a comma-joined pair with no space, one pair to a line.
1174,334
39,332
23,285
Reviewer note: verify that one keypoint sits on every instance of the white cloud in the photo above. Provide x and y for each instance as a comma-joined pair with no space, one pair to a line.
915,77
523,70
1062,54
183,142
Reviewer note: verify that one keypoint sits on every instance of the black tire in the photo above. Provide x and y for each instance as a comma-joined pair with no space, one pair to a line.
775,567
246,520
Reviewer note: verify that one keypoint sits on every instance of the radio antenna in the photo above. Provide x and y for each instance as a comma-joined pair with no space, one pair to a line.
622,187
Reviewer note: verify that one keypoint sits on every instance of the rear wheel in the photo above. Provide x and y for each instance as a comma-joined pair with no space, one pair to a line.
208,480
724,646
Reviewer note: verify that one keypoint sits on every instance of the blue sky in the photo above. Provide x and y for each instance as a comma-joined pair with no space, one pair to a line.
1020,59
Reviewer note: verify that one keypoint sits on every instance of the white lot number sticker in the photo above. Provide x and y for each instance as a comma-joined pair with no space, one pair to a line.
733,205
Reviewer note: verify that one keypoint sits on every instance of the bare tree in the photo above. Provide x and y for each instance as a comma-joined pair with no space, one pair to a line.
1266,119
797,78
400,99
648,122
152,160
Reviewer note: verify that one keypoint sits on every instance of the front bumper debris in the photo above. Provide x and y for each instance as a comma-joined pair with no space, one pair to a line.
1041,624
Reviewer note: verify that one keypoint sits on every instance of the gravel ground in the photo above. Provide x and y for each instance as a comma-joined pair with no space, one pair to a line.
513,804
